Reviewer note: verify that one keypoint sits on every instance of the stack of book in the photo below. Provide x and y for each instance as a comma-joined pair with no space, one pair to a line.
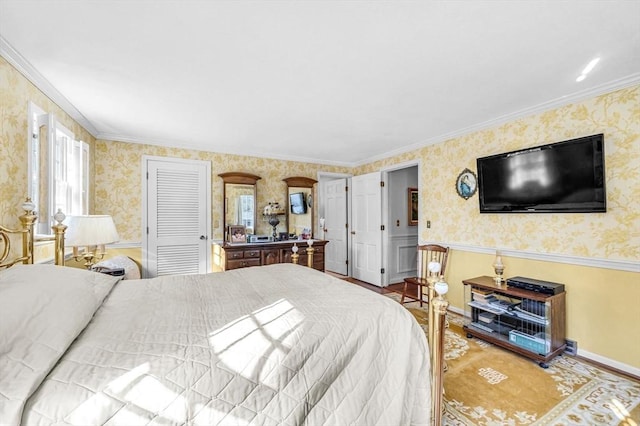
486,317
482,296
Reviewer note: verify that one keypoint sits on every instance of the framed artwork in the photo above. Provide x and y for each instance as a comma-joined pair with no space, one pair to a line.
466,184
412,208
237,234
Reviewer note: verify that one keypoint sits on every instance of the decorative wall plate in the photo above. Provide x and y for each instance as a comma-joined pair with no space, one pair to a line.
466,184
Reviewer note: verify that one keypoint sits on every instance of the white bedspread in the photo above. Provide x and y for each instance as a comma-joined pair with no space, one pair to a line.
280,344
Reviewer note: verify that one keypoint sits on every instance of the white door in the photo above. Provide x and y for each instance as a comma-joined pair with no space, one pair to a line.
366,232
335,226
177,216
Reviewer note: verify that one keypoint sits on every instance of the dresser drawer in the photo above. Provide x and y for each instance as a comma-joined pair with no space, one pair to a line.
251,253
235,254
242,263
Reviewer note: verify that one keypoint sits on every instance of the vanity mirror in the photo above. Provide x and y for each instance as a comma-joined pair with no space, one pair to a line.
300,197
239,197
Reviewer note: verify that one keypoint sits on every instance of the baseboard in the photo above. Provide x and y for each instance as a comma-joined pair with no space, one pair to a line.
611,364
456,310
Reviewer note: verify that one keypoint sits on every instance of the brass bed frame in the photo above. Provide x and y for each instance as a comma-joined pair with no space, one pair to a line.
437,309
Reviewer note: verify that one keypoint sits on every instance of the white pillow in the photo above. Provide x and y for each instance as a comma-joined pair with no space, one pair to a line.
43,308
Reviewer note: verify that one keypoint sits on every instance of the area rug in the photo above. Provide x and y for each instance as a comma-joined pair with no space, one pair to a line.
488,385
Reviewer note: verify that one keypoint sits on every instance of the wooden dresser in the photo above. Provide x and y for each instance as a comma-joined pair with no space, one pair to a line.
234,256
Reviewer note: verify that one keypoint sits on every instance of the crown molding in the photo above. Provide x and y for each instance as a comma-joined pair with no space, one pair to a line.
26,69
612,86
167,143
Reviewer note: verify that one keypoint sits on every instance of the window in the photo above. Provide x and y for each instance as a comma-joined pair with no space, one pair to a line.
246,211
58,169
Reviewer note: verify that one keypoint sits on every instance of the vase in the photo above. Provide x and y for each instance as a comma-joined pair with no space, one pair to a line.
274,221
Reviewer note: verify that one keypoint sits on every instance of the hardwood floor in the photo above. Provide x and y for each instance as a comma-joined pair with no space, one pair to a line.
391,288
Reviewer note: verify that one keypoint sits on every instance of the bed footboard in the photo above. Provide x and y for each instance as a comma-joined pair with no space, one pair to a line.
295,257
28,220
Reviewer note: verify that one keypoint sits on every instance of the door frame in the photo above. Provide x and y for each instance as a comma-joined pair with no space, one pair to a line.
385,210
145,207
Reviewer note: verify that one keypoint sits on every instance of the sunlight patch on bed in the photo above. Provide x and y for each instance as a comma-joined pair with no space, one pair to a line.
269,332
118,385
143,393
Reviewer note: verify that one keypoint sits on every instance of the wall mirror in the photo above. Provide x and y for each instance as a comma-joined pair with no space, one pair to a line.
239,197
300,201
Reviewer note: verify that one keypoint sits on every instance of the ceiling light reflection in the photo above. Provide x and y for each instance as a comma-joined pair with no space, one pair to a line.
590,66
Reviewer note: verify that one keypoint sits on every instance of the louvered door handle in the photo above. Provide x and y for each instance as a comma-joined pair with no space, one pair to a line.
203,237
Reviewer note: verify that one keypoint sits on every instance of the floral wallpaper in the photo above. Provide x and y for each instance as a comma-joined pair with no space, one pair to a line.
611,235
118,189
15,93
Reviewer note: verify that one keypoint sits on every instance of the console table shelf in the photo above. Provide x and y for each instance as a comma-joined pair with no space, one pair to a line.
528,323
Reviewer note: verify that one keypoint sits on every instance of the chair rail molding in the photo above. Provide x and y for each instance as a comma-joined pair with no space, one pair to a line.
619,265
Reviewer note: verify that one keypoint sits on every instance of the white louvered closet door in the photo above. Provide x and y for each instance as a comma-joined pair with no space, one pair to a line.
178,216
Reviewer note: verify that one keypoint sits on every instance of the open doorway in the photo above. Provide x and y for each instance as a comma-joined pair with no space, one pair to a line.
398,240
400,217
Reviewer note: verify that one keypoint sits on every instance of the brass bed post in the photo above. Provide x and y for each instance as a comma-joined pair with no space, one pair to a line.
295,255
310,251
59,229
27,220
439,307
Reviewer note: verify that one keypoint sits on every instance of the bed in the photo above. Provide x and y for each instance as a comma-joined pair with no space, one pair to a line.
278,344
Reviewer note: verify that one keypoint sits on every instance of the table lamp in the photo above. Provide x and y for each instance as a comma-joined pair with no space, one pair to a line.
92,232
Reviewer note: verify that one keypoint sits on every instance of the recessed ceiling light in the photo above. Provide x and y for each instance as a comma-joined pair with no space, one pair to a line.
590,66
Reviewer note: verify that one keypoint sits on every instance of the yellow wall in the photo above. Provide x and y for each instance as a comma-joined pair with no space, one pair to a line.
602,304
603,313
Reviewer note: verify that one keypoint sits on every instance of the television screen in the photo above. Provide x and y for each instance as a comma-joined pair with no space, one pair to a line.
560,177
298,203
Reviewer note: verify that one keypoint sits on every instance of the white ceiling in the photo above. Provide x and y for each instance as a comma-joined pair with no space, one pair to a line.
337,82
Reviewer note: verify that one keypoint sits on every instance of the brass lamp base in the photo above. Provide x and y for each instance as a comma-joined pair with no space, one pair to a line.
91,256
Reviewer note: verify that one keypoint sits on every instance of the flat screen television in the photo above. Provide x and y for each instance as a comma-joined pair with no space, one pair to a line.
563,177
298,203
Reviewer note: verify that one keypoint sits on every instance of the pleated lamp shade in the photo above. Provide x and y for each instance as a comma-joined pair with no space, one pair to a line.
92,230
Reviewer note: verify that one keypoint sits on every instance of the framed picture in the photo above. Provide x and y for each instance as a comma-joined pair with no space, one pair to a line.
413,206
466,184
237,234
